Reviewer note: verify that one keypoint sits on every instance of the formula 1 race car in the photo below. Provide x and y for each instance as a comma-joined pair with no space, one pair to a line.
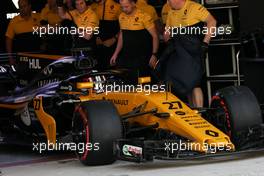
70,105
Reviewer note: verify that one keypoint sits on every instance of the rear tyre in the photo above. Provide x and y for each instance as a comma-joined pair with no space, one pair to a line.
96,126
237,113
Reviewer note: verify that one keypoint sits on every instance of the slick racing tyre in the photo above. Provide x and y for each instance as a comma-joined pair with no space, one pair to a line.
96,126
237,113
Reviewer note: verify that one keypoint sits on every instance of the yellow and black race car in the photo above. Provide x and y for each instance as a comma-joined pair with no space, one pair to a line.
67,105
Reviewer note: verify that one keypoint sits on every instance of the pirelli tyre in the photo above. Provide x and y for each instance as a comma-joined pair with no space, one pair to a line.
238,114
96,125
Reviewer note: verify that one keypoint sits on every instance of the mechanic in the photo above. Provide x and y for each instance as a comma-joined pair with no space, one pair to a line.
108,12
51,43
138,39
184,67
49,14
164,12
19,34
144,6
86,22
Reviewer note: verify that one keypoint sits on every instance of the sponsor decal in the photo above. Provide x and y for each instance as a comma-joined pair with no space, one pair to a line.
128,150
48,81
2,69
118,102
34,64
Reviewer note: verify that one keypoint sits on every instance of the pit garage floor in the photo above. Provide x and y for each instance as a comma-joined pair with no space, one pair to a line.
20,161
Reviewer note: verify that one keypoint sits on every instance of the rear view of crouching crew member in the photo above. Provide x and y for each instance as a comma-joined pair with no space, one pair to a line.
86,20
185,66
138,39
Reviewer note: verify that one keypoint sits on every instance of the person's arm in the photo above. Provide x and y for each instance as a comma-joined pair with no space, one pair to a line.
155,46
155,39
9,46
167,29
159,26
211,26
166,35
92,24
86,35
118,48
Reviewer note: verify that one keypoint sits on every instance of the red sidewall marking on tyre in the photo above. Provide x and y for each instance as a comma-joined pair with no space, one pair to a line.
224,106
85,123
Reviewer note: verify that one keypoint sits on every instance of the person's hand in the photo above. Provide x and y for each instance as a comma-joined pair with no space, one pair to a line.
153,61
166,36
113,60
109,42
204,48
99,41
87,36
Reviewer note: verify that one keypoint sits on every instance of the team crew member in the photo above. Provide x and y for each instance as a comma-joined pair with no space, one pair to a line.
144,6
138,39
108,12
184,67
49,14
164,12
49,17
149,9
86,20
19,34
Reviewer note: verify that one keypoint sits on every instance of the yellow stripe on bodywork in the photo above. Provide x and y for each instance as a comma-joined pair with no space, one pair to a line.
46,120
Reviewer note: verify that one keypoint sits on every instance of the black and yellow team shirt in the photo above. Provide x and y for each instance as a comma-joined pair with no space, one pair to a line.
191,14
145,7
87,19
19,25
108,12
50,16
23,33
140,20
164,12
137,41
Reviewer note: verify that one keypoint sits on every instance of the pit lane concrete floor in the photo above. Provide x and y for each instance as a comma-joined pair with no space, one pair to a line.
22,162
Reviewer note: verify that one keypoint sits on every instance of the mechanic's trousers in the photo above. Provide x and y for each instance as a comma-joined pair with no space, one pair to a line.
181,63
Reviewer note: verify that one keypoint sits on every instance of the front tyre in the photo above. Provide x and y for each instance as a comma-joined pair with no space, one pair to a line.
238,114
96,126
